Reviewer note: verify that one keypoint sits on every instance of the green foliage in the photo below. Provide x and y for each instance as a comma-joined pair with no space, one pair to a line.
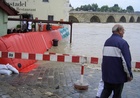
104,8
33,25
116,8
94,7
88,7
130,9
18,26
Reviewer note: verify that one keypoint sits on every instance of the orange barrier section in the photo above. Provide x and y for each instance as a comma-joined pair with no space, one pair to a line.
53,27
32,42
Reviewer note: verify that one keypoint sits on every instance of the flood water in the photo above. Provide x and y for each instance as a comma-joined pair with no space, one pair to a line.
88,39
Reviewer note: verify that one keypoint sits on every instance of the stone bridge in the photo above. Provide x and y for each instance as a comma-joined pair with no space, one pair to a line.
103,17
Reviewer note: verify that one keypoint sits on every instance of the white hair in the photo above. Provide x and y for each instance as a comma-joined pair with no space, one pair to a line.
116,27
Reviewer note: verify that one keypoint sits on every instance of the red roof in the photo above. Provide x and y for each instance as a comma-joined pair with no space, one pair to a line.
7,8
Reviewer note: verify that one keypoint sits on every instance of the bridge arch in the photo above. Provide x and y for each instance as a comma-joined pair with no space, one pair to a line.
132,19
95,19
73,19
138,19
110,19
122,19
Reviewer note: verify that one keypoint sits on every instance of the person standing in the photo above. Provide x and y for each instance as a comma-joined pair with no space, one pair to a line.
116,63
24,26
29,26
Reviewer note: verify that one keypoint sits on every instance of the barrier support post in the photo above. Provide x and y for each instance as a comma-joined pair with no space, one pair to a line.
81,84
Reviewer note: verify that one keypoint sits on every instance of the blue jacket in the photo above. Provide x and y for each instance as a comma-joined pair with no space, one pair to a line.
116,62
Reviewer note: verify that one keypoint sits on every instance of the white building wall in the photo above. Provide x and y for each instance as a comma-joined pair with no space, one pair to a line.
59,9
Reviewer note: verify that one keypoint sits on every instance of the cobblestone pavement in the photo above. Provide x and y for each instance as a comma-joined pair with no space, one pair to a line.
56,80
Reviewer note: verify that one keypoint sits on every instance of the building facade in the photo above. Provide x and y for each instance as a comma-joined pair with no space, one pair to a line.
5,11
42,9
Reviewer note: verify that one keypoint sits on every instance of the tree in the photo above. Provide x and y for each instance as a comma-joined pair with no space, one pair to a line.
77,9
89,7
129,9
116,8
94,7
85,8
104,8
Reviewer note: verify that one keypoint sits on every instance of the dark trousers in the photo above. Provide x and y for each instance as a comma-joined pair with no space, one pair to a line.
109,88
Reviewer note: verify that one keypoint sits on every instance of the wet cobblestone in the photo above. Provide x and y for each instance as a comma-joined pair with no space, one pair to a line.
56,80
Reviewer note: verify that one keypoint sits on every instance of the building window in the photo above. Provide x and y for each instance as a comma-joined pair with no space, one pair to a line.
50,17
45,0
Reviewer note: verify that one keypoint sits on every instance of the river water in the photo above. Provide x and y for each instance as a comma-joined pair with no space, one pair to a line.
88,39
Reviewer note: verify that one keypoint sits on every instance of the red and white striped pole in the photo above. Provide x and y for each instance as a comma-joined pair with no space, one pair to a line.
81,84
82,74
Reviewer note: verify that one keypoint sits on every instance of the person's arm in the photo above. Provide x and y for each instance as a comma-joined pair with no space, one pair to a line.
127,61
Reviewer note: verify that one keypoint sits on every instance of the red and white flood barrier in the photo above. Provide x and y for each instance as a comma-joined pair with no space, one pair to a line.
79,84
54,57
49,57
